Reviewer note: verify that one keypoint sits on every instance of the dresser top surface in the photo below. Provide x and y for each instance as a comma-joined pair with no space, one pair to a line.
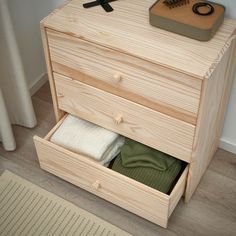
127,29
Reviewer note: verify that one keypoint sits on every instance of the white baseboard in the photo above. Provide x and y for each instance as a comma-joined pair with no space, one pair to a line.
227,145
38,83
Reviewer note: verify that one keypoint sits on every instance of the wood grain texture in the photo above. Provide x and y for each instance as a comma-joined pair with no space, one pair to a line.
58,113
76,170
58,124
213,201
124,44
211,116
129,31
108,184
178,191
142,124
159,88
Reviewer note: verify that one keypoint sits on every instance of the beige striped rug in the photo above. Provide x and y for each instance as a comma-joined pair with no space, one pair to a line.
26,209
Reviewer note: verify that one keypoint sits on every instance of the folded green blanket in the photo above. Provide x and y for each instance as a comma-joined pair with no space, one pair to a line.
135,154
147,165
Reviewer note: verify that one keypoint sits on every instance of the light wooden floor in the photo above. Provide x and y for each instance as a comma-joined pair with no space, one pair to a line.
212,210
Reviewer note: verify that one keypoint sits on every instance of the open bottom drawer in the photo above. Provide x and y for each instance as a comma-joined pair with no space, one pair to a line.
127,193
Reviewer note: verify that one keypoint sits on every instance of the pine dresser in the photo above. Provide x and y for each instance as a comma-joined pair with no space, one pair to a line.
159,88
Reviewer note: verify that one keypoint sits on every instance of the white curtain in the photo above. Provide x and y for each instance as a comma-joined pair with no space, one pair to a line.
15,101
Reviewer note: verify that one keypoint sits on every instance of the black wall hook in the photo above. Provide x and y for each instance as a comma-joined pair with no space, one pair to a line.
104,3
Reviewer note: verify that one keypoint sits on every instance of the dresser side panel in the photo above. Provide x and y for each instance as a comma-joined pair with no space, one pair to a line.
215,94
58,113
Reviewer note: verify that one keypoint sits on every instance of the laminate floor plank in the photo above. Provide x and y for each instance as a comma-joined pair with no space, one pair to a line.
224,163
211,211
44,93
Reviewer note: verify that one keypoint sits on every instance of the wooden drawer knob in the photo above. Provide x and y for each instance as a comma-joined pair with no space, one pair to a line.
60,95
118,119
117,77
96,185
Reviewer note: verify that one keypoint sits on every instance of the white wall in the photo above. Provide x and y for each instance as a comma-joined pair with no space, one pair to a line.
26,15
228,138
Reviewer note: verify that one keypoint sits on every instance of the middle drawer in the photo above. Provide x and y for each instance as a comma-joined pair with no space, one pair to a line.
125,117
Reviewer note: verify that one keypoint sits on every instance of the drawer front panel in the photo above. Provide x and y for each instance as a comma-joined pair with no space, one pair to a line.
135,121
118,189
156,87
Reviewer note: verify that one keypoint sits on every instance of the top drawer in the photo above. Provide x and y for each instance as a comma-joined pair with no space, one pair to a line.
143,82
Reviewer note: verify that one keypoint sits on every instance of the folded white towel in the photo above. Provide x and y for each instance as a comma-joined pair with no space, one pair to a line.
83,137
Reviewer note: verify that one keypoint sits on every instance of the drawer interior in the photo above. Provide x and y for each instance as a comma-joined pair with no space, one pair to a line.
123,191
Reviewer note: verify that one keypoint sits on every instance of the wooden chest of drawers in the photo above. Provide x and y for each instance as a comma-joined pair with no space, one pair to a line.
158,88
